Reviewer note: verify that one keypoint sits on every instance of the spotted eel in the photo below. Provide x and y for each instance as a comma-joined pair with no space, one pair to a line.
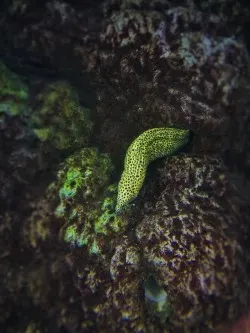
148,146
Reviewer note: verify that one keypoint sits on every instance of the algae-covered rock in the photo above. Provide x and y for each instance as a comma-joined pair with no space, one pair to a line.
59,119
192,236
180,265
18,151
87,200
13,92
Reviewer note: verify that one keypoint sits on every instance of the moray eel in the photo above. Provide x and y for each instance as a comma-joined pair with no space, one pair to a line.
150,145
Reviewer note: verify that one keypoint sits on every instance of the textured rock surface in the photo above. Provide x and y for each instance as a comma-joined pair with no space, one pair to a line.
58,118
87,200
193,236
165,65
195,252
13,93
179,264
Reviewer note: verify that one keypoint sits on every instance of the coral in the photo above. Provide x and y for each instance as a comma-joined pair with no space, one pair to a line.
125,270
191,256
19,155
59,119
40,227
192,235
108,220
152,64
178,263
25,225
150,145
84,174
33,272
87,200
33,327
179,267
13,93
182,68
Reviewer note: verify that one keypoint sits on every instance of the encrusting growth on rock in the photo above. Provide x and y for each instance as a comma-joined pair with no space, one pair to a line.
150,145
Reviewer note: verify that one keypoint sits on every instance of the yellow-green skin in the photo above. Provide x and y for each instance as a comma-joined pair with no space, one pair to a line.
150,145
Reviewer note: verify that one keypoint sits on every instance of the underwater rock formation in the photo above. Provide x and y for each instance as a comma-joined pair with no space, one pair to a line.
87,200
13,93
18,154
178,261
192,236
177,266
151,65
58,118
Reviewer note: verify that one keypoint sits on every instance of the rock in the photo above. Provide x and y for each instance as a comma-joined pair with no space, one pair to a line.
192,236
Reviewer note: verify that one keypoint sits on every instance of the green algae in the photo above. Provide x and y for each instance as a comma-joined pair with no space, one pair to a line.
109,221
59,119
72,184
87,200
14,93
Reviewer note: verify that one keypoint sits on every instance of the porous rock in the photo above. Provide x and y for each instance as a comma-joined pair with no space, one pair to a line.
192,235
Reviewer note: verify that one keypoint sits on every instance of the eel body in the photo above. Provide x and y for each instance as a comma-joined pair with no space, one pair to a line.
148,146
